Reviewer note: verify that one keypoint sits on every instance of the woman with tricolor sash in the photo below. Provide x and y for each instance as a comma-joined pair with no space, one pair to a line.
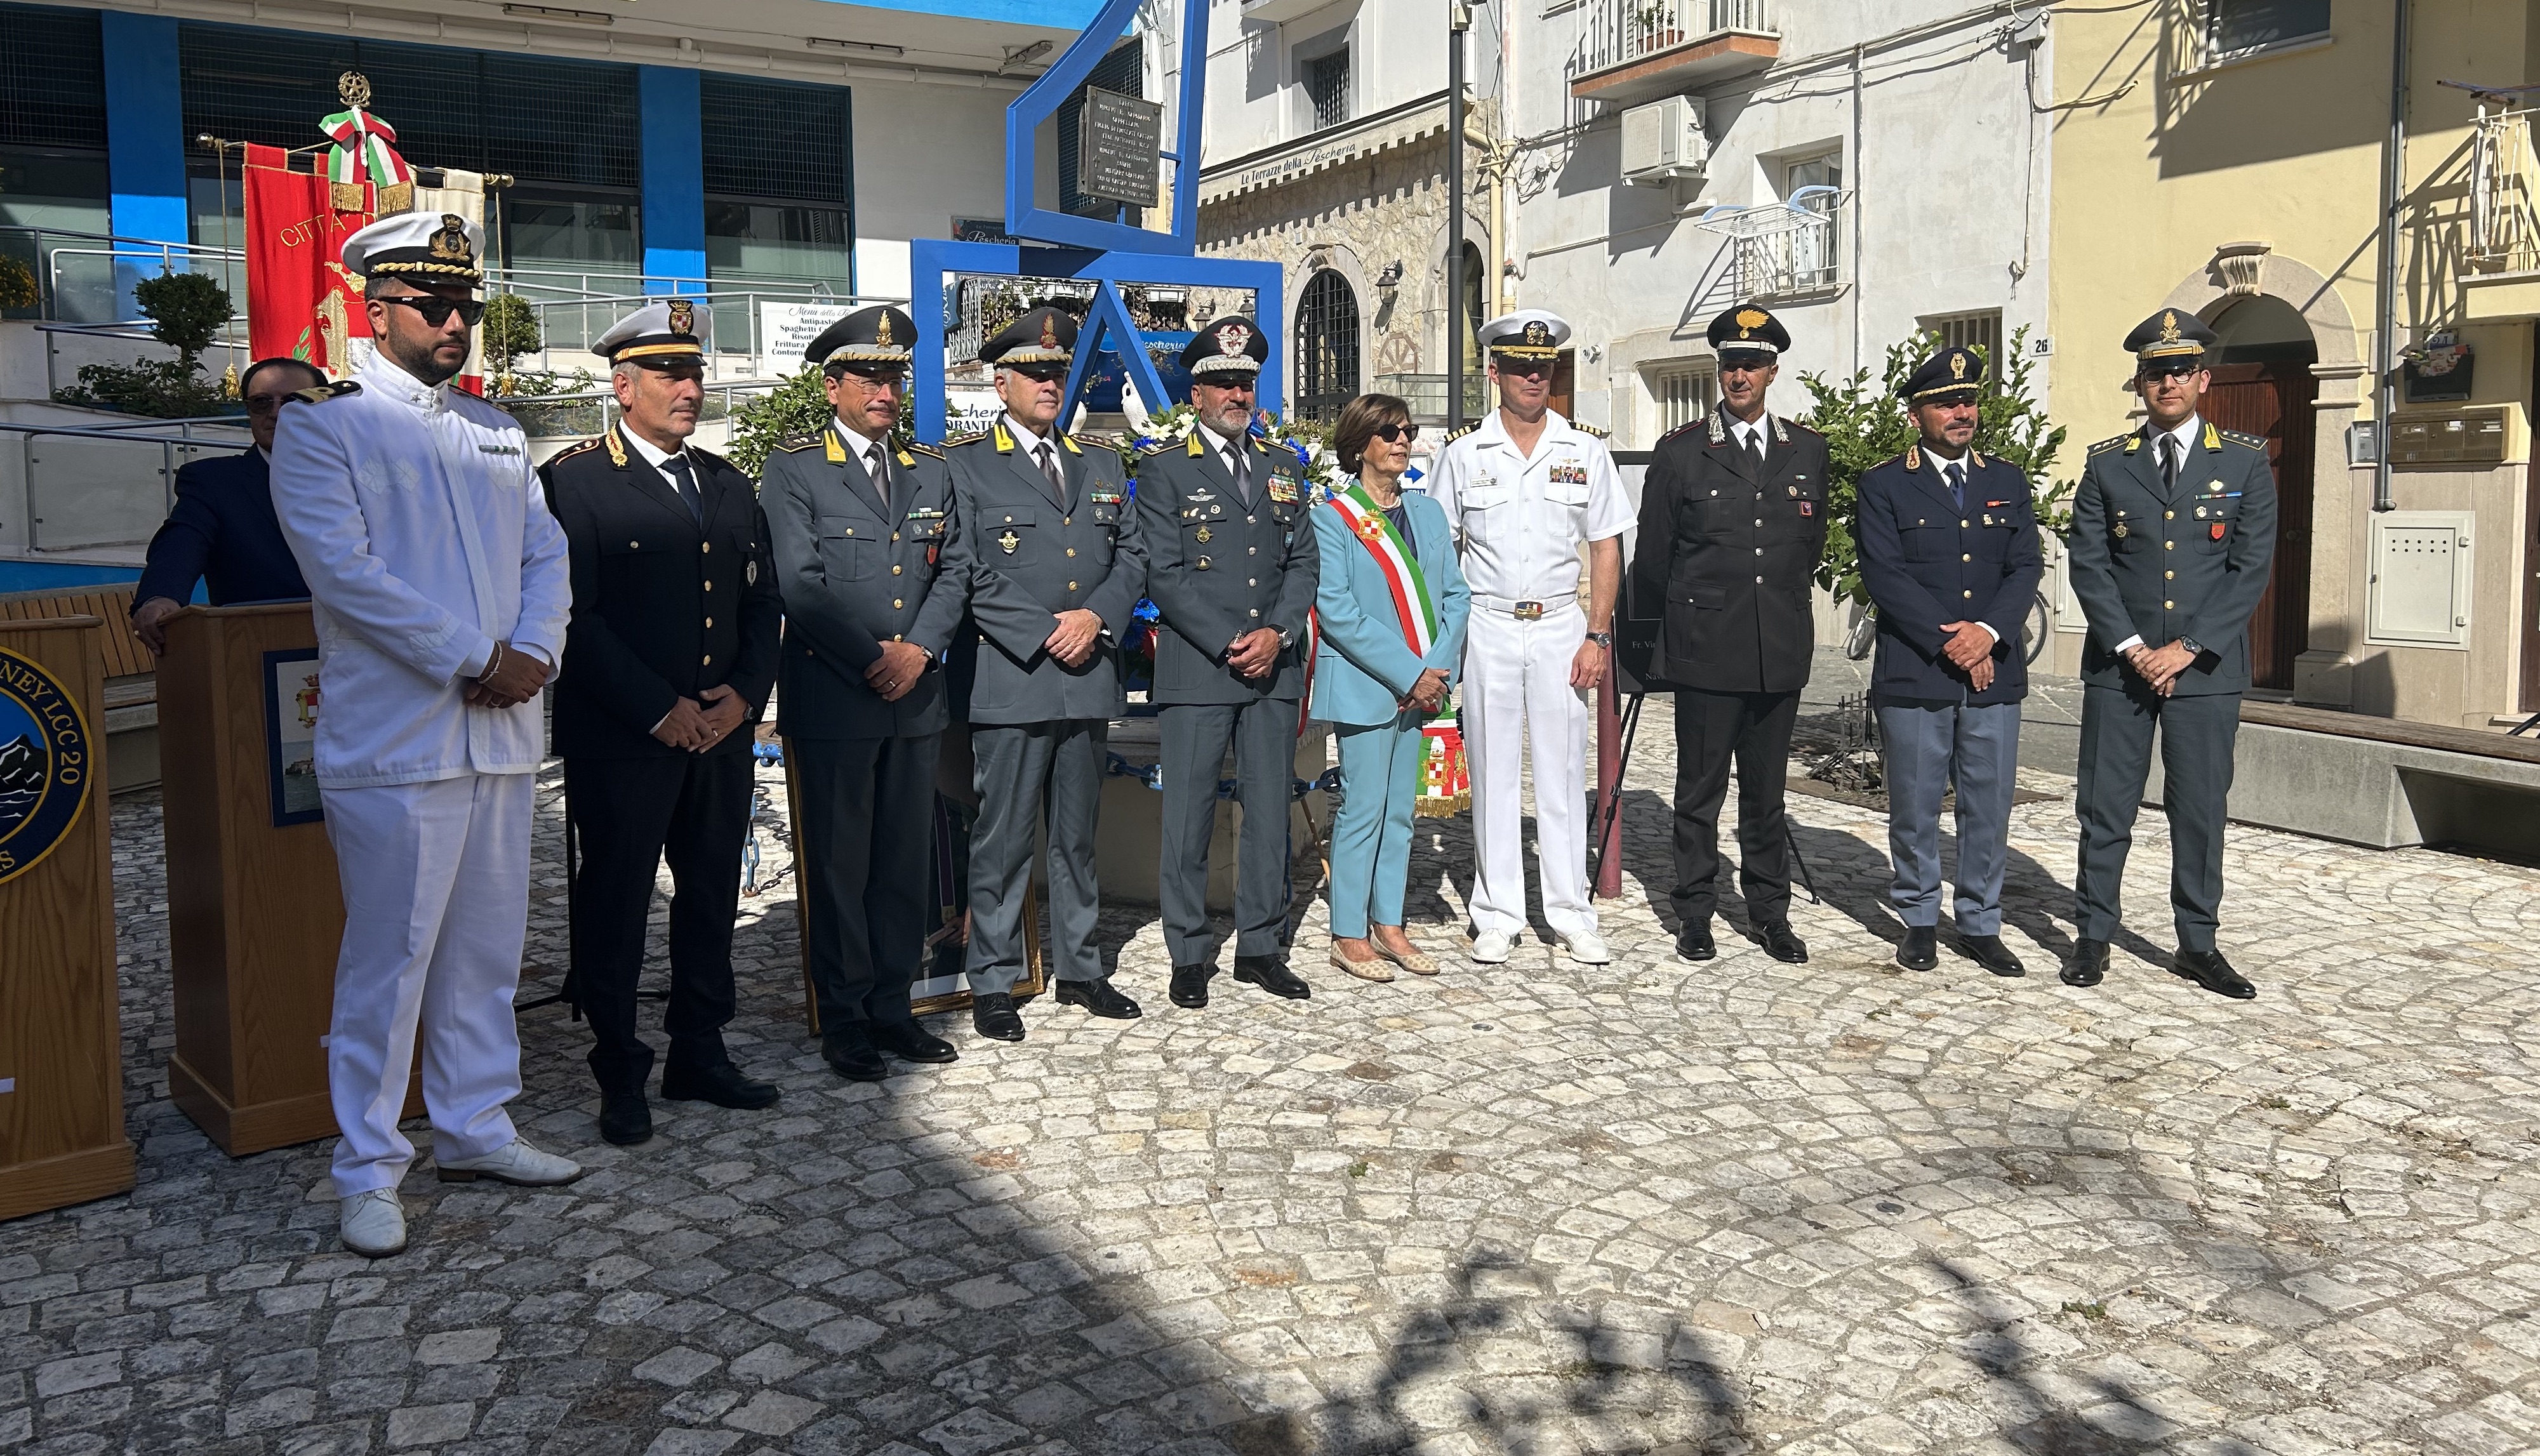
1390,609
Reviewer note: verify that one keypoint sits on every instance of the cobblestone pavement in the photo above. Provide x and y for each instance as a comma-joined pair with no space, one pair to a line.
1546,1208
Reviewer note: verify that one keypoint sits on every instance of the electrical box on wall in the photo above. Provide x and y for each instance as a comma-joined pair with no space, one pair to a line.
1665,143
2419,592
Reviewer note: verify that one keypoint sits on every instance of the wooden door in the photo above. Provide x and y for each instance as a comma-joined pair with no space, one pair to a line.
1565,381
2274,400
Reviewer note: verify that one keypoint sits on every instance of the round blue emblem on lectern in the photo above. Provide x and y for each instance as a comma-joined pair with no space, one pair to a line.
45,764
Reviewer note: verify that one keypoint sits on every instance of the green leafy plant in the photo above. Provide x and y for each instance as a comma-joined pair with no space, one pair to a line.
798,406
510,330
17,285
1865,425
186,313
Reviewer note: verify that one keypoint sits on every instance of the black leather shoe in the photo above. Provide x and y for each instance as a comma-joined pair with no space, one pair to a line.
626,1118
1920,950
1781,945
993,1016
850,1053
910,1042
2088,965
718,1082
1693,942
2208,968
1989,952
1271,974
1098,997
1190,986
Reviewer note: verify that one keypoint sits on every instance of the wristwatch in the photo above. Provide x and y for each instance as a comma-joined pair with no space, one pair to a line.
1604,640
1285,640
2194,649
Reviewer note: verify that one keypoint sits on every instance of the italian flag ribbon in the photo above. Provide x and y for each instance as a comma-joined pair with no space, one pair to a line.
365,150
1401,572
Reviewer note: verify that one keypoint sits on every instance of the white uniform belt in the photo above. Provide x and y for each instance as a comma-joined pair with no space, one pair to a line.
1525,608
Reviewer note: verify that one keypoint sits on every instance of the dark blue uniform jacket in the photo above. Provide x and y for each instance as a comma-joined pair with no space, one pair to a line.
223,532
1928,559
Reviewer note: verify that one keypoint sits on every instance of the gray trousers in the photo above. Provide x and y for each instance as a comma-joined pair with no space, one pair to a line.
868,831
1927,749
2197,736
1021,767
1194,740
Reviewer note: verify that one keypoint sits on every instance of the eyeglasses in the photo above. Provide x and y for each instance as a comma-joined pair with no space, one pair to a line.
1531,369
258,404
436,310
1392,433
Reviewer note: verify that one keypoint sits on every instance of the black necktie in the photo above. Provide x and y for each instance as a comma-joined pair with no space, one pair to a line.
2169,461
1057,481
1756,448
1958,484
684,485
881,476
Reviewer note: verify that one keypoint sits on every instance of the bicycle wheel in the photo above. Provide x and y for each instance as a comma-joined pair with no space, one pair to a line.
2032,632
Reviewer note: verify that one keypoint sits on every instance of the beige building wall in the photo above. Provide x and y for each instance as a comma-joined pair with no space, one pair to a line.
2195,183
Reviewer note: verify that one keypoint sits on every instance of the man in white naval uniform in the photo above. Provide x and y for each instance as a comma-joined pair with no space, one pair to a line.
1523,488
441,590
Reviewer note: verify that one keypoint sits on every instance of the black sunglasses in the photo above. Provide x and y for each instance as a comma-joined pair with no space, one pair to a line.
1392,433
437,311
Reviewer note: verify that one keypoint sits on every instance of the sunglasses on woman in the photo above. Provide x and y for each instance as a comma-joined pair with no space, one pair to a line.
437,311
1392,433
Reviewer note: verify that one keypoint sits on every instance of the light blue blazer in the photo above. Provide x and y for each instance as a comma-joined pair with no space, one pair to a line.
1363,667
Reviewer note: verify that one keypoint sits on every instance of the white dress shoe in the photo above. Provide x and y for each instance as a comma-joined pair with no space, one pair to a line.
373,1223
1491,948
1585,947
514,1162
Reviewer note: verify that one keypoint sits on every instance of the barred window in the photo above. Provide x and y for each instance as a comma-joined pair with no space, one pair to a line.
2232,26
1327,88
52,77
541,119
776,140
1682,394
1979,329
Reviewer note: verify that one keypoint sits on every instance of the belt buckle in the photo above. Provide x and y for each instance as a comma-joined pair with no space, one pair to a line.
1527,611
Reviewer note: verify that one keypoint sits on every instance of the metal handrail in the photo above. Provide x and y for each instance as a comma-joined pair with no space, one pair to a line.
2504,176
1619,32
169,445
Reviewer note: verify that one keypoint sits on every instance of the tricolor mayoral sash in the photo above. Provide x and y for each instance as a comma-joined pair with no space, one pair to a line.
1444,787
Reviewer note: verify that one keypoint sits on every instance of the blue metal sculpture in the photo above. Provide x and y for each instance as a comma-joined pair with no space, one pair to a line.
1108,254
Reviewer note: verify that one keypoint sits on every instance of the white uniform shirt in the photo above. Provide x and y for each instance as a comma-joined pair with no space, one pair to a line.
1521,519
425,538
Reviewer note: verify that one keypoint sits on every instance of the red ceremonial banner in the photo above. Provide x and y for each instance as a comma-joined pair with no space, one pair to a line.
301,304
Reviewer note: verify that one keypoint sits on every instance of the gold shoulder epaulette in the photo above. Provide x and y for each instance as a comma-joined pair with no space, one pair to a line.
931,451
1591,431
2111,442
1460,434
1159,448
2241,436
577,447
793,443
332,389
973,438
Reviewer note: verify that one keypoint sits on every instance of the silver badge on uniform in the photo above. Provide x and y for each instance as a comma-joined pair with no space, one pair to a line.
749,574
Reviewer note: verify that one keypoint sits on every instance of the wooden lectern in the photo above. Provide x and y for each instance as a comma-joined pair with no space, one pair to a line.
61,1062
255,913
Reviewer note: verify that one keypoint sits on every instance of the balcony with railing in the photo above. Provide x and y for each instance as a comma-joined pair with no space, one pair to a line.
2494,231
1636,50
1787,250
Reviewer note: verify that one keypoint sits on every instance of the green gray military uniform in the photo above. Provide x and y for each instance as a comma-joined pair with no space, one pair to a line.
1038,725
2166,560
1225,559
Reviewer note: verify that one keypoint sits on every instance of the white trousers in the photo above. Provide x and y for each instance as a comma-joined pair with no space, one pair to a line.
436,904
1517,685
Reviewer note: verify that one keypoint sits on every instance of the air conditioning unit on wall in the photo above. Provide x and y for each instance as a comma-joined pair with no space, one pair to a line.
1665,143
